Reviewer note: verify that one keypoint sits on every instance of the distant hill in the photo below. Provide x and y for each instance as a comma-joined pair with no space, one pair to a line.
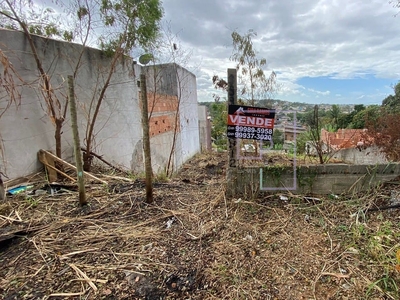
297,106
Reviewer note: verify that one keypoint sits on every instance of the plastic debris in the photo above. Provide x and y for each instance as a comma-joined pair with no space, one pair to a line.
169,222
248,238
283,198
237,200
19,189
307,218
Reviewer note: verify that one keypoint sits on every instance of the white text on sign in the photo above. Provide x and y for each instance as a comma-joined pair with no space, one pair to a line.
250,121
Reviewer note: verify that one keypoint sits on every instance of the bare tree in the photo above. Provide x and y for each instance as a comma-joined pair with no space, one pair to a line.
127,24
255,83
119,26
10,94
77,147
56,102
167,50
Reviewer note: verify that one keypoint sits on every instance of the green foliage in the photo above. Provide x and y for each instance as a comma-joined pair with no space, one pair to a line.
44,22
68,36
120,25
254,82
82,12
219,117
308,119
131,23
375,246
369,114
301,141
277,137
334,114
392,102
162,177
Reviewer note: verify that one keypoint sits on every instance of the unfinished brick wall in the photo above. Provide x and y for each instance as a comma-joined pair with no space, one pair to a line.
163,109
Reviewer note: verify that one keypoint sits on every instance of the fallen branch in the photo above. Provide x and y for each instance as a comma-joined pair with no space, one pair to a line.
103,160
84,276
67,294
43,153
65,256
382,208
337,275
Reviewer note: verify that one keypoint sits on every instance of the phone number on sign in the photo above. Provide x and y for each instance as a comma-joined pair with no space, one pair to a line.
248,135
253,130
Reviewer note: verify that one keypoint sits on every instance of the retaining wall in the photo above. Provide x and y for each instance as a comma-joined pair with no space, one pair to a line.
312,179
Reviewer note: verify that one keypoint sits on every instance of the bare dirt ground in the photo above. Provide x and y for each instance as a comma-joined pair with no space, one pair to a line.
193,243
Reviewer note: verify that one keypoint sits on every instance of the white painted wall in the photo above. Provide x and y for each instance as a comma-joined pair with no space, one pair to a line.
26,129
172,79
189,116
370,155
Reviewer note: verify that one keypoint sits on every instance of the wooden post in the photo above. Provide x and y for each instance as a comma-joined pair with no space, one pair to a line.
231,174
77,147
146,140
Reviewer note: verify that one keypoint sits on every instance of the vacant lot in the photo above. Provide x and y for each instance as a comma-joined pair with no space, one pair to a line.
193,243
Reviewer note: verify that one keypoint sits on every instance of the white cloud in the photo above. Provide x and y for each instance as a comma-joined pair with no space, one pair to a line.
341,39
310,38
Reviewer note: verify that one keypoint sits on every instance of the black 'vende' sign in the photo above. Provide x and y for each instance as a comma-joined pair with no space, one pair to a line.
247,122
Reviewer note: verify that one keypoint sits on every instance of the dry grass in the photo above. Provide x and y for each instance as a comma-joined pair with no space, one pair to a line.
193,243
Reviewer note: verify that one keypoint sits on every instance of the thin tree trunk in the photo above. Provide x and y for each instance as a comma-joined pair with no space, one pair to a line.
146,140
45,78
77,147
57,136
87,158
170,165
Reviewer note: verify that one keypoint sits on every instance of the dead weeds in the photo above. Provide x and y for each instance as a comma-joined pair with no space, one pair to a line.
193,243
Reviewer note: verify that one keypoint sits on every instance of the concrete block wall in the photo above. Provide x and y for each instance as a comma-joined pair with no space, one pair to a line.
26,129
369,155
314,179
179,87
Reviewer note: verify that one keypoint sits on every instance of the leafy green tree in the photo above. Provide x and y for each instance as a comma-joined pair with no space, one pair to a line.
219,117
392,102
255,83
125,24
366,116
308,118
334,113
301,142
277,137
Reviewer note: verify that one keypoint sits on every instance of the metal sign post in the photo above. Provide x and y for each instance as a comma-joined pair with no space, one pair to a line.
231,173
232,100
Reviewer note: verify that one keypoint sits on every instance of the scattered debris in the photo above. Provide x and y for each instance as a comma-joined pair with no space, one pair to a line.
283,198
118,247
169,222
45,156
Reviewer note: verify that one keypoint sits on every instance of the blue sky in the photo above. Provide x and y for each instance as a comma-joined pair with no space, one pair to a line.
325,89
324,51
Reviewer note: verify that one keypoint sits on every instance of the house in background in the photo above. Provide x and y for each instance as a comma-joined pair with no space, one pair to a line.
353,146
344,138
291,130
